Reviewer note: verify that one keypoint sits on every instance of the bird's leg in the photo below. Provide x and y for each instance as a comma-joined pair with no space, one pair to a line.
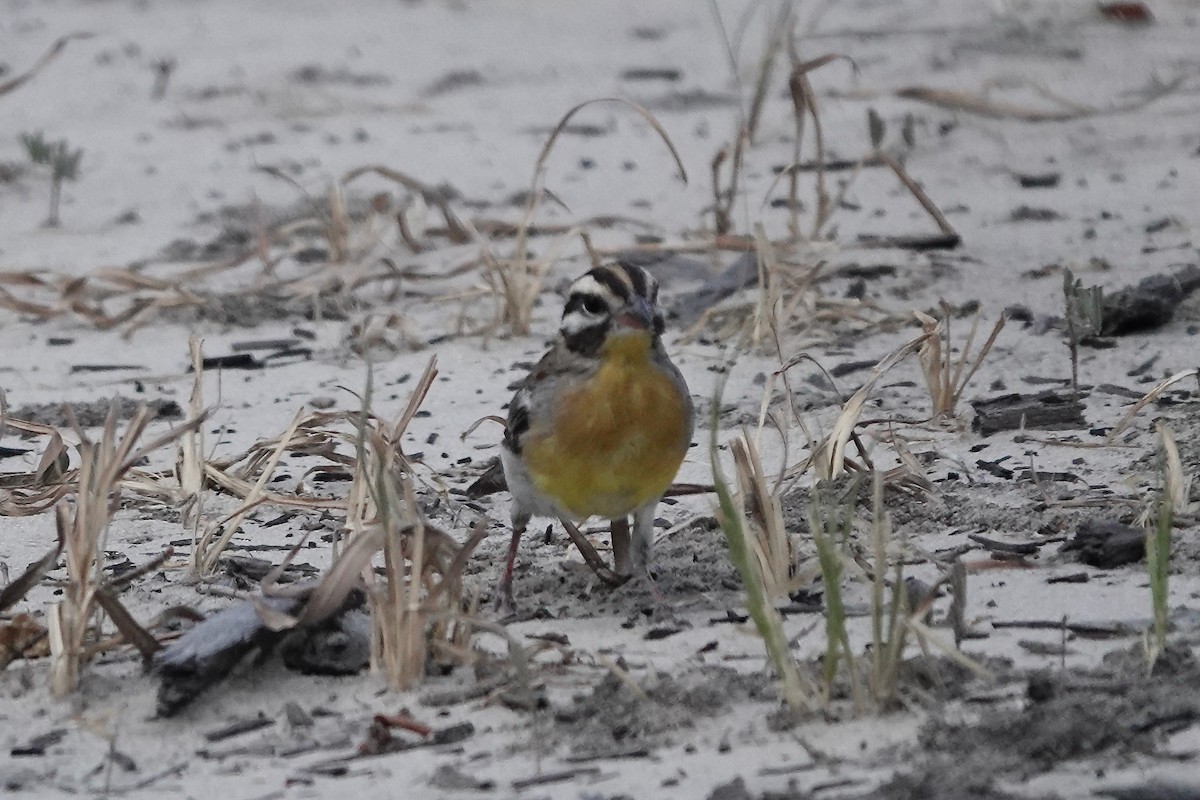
641,547
643,537
504,595
620,546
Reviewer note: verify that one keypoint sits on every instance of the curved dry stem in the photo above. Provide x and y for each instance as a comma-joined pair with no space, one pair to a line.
536,190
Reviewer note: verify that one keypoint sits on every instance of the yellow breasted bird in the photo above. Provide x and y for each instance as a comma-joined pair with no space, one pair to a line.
602,422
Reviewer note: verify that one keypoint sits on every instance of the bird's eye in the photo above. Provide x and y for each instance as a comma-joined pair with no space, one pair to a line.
593,304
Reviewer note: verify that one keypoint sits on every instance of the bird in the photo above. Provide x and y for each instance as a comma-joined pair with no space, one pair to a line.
601,424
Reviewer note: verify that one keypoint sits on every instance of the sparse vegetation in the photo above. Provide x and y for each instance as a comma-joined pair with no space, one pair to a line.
83,523
1084,317
945,376
63,163
754,575
851,494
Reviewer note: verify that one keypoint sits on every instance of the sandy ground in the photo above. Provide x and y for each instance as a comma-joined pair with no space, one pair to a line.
462,95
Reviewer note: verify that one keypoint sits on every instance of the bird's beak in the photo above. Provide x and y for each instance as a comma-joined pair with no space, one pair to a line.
638,313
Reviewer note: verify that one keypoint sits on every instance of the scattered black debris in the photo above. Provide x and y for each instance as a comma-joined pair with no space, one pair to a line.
557,776
1044,410
1115,713
340,646
1031,214
664,632
1150,304
839,370
1119,391
651,74
453,81
1106,543
1073,577
317,74
232,361
994,468
86,368
238,727
38,745
92,413
1144,367
490,482
936,241
1043,380
616,721
1019,548
1019,313
1040,648
296,716
1039,476
1088,630
734,790
208,652
1152,790
691,100
264,344
248,572
1041,180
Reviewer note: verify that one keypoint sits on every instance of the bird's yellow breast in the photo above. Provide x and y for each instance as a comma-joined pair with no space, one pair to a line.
617,440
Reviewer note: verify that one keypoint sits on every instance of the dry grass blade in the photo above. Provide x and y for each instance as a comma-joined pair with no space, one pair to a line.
1176,482
764,514
25,494
133,632
11,594
983,106
724,198
420,390
456,230
518,280
83,525
1149,397
830,457
946,378
189,466
917,192
59,45
804,104
416,601
345,574
779,31
217,535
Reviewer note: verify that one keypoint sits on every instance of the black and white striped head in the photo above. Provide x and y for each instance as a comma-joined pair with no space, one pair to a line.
609,300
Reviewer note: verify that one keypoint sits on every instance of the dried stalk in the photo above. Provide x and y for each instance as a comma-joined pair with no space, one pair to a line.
829,459
519,279
83,526
946,378
762,511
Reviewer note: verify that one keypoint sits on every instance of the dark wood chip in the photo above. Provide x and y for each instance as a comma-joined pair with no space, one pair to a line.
1044,410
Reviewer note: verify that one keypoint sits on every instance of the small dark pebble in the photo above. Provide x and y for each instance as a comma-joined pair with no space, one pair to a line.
1031,214
1045,180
